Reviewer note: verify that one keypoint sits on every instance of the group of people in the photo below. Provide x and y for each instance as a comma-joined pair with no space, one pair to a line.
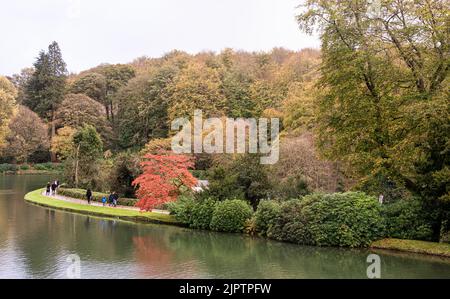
51,188
111,200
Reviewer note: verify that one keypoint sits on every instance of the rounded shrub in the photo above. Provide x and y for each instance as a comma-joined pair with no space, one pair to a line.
201,213
231,216
265,215
351,219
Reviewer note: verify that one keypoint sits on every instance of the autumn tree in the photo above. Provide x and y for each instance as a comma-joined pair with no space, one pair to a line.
62,144
7,106
94,86
384,110
27,134
164,178
78,109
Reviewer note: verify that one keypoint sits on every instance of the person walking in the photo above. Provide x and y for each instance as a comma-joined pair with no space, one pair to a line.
104,200
47,189
111,199
115,199
89,196
53,187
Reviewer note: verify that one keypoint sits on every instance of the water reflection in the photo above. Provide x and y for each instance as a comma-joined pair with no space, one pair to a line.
35,242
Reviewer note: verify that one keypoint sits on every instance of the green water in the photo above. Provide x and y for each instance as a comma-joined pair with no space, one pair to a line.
35,243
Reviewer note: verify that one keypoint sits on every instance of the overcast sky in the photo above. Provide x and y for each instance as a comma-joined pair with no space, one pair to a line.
91,32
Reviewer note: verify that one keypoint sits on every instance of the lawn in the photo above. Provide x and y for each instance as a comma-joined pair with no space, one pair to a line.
36,197
433,248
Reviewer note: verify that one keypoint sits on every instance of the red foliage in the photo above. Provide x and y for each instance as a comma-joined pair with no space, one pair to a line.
162,179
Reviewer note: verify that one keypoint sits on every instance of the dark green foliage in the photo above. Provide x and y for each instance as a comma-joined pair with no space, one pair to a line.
350,219
125,169
45,89
96,196
182,209
407,219
231,216
244,177
8,168
194,212
266,214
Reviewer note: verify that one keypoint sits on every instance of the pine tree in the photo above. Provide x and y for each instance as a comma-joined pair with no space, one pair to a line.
45,89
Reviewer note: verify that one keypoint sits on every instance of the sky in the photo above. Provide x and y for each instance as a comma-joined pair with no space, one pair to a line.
91,32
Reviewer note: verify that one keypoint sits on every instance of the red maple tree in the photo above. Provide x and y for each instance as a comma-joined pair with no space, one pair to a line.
163,179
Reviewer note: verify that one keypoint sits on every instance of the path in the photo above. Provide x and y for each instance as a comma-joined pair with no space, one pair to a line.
98,204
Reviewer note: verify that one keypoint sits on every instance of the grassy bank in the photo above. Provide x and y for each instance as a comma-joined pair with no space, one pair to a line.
42,168
431,248
36,197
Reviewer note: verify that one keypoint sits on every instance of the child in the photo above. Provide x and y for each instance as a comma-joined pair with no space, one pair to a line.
104,200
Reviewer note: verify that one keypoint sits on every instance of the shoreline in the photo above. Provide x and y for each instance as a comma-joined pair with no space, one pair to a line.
36,197
393,245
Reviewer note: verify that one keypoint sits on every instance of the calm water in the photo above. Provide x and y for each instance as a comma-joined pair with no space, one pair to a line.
35,243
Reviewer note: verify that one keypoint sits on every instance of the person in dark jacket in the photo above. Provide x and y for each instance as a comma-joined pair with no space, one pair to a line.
53,187
111,199
47,190
89,196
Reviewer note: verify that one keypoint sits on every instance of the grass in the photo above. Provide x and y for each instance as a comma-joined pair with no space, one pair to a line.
36,197
432,248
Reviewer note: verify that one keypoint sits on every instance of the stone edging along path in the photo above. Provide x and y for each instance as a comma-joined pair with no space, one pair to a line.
97,209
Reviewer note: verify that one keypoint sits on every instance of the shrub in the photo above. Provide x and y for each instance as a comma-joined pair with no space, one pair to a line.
196,213
231,216
24,167
8,168
202,212
49,166
350,219
182,209
290,225
406,219
265,216
96,196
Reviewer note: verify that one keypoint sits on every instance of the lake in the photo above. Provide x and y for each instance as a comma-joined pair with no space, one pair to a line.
36,242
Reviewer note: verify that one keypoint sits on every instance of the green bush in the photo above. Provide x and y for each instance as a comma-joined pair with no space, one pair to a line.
266,214
182,209
96,196
49,167
8,168
231,216
290,225
350,219
406,219
202,212
24,167
196,213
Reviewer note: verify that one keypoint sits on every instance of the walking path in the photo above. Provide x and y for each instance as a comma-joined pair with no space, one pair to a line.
98,204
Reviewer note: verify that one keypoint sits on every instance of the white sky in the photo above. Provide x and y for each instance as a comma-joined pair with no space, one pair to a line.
91,32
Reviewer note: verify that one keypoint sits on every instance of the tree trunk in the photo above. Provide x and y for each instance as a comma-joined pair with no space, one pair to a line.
52,135
76,166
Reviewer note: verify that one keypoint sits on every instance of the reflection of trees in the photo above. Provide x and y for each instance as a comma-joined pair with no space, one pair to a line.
152,254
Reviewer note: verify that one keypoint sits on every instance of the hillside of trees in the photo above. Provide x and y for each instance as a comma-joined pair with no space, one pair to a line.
369,111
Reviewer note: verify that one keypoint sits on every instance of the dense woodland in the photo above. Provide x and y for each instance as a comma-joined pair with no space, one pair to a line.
368,111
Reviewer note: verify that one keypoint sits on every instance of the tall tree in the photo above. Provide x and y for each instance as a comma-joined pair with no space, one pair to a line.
46,87
7,105
385,108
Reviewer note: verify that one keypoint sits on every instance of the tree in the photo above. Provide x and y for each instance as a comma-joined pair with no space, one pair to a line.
7,106
78,109
196,87
20,81
46,87
27,134
164,178
86,153
142,108
62,143
94,86
384,110
126,168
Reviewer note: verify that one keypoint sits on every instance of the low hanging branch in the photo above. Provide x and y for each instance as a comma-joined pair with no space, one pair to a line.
163,179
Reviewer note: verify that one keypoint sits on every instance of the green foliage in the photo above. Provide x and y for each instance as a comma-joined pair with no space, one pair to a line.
126,168
8,168
182,209
231,216
96,196
46,87
244,177
265,216
341,219
407,219
202,213
49,166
